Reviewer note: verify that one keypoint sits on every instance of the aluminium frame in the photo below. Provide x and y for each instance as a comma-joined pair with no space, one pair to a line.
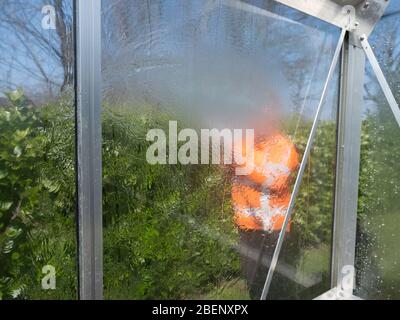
88,148
347,164
358,22
349,130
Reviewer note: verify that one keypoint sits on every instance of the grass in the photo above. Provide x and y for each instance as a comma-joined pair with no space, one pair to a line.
235,289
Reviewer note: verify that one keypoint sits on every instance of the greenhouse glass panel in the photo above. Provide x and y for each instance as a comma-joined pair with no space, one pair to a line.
174,219
304,267
37,156
378,259
202,149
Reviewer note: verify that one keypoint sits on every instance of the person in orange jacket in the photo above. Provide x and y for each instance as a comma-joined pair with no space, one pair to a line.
260,200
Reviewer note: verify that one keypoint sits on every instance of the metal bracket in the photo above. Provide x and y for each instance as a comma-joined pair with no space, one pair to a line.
350,12
337,294
363,18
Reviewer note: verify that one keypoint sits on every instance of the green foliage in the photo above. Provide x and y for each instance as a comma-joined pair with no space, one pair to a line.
168,230
308,245
36,175
380,166
20,151
379,207
314,205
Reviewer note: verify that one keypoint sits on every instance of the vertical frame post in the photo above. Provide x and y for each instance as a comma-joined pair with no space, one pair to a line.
348,164
88,145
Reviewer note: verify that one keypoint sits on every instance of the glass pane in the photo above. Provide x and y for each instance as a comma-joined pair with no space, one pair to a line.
180,230
37,177
304,267
378,235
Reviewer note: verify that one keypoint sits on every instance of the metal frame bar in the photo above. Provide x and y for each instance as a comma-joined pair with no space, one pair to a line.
381,78
88,146
348,156
303,165
363,18
337,294
347,164
325,10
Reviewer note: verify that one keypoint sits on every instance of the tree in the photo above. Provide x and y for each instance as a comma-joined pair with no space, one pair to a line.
42,57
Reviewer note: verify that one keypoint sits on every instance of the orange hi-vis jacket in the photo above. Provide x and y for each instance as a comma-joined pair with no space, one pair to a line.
261,198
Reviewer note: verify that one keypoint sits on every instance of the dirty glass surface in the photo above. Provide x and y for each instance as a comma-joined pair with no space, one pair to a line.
378,235
37,177
169,229
304,268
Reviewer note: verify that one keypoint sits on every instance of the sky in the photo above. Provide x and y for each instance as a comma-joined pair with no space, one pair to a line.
19,51
226,73
206,75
